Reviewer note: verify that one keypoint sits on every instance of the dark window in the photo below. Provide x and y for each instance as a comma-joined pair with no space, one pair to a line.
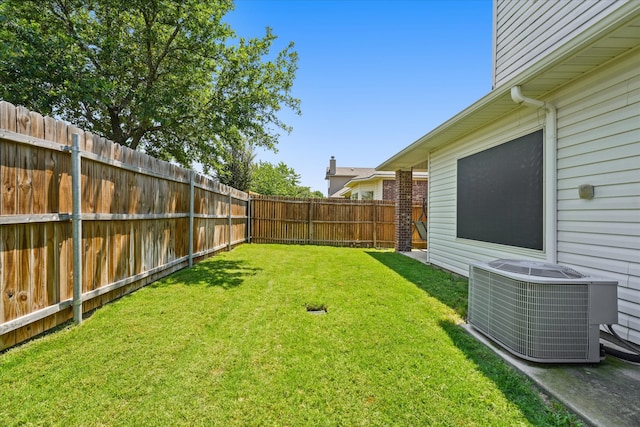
500,194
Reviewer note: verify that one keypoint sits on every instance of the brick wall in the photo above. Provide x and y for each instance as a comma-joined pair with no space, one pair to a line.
389,189
419,190
403,220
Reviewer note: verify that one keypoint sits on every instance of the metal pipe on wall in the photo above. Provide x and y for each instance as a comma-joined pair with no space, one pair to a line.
550,175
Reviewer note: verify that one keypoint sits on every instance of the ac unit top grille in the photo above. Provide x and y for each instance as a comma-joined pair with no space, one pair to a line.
536,268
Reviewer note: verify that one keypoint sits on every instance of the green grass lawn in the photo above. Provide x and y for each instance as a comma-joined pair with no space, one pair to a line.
230,343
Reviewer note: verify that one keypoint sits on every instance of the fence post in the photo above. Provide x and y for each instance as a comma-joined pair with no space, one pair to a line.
374,224
76,221
249,220
191,214
311,236
229,234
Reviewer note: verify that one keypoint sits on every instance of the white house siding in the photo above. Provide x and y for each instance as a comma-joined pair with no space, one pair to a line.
599,144
445,249
527,31
360,188
377,190
363,188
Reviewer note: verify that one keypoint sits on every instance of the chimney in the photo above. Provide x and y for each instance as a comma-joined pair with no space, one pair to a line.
332,166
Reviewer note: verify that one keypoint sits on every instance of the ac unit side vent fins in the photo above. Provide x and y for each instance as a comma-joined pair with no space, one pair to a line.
543,314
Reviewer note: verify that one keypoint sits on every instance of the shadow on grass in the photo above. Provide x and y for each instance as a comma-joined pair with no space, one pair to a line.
213,272
515,386
452,290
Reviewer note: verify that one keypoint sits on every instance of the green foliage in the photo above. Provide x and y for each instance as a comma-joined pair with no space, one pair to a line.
236,169
306,193
230,342
279,180
169,77
559,416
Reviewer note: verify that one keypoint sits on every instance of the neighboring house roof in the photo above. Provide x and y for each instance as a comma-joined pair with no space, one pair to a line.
347,171
376,175
342,192
609,38
342,175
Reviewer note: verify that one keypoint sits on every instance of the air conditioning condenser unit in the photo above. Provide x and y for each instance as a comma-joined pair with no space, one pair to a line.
540,311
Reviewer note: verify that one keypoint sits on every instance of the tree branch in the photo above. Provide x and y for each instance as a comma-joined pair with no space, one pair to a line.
116,130
67,22
151,65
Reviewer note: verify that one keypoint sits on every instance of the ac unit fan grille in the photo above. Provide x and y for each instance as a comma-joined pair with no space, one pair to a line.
538,269
541,321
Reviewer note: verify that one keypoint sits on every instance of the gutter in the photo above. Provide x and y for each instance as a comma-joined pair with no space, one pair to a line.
550,165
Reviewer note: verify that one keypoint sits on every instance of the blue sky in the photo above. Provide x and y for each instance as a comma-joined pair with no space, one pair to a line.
374,75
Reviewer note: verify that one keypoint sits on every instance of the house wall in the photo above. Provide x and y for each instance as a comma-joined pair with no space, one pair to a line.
388,189
445,249
419,191
379,191
360,188
336,183
527,31
598,144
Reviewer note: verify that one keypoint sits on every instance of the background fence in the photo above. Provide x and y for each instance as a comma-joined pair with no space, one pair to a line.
140,219
332,222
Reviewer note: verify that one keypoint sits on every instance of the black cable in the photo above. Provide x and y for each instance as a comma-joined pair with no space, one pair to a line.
629,357
613,337
624,343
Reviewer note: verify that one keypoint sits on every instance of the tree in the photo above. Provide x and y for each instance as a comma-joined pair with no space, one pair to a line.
279,180
306,193
237,171
165,76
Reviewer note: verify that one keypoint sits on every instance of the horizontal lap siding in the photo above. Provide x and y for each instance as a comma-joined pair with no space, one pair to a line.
377,191
445,249
527,31
599,144
375,186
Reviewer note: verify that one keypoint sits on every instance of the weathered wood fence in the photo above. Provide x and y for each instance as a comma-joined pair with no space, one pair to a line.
135,219
330,222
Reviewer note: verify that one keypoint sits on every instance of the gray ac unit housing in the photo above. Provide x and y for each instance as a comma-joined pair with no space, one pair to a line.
540,311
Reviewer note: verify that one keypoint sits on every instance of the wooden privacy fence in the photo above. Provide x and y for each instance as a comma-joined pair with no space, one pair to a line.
81,213
331,222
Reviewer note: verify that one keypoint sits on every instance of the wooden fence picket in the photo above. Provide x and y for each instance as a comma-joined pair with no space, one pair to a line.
332,222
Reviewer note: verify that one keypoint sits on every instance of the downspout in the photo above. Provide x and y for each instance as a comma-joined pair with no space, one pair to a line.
550,161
